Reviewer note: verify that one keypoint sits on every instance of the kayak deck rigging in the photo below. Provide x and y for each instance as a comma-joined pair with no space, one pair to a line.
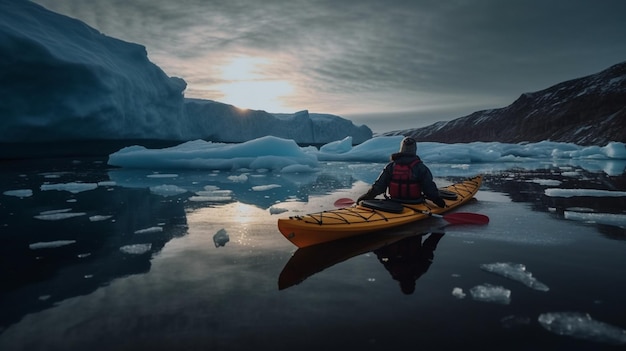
329,225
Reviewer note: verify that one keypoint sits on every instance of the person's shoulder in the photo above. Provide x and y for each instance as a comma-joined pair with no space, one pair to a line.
403,158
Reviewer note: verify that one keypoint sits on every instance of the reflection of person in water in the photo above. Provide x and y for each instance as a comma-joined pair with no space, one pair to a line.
408,259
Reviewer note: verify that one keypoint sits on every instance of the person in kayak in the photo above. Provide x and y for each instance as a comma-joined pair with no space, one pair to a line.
406,178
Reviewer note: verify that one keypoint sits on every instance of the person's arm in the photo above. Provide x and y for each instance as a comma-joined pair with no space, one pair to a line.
429,188
379,186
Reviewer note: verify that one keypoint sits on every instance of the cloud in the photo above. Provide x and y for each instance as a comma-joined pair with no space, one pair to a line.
340,56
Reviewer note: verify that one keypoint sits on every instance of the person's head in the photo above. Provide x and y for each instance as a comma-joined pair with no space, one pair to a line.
408,146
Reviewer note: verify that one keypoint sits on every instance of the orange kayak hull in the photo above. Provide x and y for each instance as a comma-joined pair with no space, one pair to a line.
320,227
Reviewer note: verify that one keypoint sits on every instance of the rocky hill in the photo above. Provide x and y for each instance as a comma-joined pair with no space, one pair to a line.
586,111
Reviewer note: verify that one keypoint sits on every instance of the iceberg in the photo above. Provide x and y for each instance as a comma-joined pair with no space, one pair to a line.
285,156
64,82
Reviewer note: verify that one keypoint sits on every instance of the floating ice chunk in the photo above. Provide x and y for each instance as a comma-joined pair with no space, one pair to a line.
265,187
98,218
582,326
613,219
164,175
56,215
277,210
21,193
221,238
491,293
55,211
149,230
136,249
238,179
546,182
73,187
212,194
458,293
553,192
517,272
50,244
107,183
338,147
614,150
167,190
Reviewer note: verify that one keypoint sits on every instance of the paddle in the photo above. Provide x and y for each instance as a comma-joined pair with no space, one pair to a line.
461,217
452,218
344,202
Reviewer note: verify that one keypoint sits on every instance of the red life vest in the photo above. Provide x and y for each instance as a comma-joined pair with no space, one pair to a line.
402,186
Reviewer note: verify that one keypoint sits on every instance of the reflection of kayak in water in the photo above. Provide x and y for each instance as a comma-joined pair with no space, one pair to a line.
320,227
308,261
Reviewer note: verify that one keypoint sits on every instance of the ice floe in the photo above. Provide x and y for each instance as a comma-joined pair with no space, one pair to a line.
515,271
55,215
555,192
73,187
458,293
98,218
166,190
613,219
50,244
21,193
136,249
491,293
582,326
149,230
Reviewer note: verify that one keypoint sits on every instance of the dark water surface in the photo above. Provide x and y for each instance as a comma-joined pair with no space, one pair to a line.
193,260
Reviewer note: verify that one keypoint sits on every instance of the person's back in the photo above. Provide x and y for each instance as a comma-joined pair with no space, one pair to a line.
406,178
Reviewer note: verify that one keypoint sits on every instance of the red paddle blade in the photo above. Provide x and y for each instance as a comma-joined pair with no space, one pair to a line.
466,218
344,202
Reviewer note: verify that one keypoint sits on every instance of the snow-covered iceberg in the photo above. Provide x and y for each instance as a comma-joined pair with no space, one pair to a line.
277,154
64,81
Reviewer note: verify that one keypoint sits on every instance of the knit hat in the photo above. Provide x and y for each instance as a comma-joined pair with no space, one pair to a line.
408,146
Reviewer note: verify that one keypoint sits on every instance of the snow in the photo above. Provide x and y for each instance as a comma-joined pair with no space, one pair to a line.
89,86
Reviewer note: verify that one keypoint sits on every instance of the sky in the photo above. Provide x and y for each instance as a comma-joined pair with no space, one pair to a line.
389,64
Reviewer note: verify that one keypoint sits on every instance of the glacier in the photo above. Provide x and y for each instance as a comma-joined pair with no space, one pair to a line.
63,81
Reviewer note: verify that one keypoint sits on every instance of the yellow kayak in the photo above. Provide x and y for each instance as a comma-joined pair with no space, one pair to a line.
370,216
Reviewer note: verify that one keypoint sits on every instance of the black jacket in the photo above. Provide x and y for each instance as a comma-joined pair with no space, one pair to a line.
420,171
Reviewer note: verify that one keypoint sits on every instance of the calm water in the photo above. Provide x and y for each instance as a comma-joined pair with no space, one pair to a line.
121,265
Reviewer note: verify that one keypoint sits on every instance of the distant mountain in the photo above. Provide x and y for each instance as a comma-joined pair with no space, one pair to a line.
586,111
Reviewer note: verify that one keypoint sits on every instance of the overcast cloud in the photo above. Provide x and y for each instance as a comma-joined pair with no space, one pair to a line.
388,64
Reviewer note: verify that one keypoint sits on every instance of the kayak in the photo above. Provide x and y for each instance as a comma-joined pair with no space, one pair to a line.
310,260
371,216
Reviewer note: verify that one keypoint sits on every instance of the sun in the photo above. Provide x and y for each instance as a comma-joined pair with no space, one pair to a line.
246,87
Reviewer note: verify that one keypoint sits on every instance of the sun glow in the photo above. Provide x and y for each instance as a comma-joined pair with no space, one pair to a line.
247,87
